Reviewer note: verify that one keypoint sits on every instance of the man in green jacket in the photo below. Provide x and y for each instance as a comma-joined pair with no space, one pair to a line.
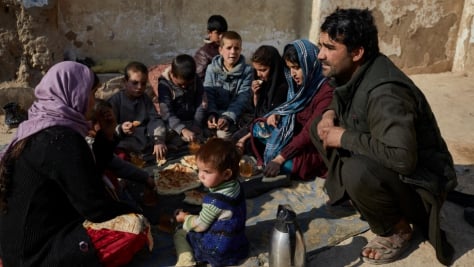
380,140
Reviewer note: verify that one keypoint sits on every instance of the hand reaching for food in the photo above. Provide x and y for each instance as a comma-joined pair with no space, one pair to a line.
188,135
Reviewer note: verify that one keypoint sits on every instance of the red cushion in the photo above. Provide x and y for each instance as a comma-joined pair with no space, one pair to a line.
116,248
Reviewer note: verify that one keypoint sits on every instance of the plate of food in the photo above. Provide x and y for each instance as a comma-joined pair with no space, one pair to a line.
175,179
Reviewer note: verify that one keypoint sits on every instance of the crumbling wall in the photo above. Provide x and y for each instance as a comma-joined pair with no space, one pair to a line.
10,51
464,57
155,31
419,36
29,40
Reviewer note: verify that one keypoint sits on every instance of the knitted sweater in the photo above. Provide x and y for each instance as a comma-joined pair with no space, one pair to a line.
224,243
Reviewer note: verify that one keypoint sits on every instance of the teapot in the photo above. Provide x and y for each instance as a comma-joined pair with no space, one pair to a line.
287,247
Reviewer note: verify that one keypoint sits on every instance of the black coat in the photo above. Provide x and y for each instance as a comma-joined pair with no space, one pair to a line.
54,187
388,120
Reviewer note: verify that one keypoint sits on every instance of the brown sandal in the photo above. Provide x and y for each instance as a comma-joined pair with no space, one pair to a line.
390,248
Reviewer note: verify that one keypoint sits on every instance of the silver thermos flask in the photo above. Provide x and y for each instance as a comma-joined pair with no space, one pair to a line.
287,248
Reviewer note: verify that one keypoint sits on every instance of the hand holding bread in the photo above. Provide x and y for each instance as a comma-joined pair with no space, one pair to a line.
129,126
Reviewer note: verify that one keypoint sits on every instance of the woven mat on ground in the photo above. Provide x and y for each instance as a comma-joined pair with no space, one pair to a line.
322,225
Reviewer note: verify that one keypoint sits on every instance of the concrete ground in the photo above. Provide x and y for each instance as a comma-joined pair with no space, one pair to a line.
451,96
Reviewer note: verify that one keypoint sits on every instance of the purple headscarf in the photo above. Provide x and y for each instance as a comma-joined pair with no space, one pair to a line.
61,100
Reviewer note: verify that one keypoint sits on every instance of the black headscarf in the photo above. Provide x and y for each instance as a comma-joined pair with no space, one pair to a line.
274,91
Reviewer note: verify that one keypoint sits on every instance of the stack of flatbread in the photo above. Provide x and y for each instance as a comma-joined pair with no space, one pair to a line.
175,179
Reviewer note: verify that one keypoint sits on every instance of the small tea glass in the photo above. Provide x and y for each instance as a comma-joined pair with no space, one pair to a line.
137,160
246,167
193,147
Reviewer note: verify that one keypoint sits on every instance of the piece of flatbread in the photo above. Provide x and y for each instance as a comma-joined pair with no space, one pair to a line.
160,162
189,161
194,197
176,179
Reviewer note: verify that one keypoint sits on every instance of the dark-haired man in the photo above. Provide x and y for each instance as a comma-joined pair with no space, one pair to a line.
383,147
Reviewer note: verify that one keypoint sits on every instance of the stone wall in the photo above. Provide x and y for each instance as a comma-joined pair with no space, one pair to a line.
464,57
29,41
419,36
155,31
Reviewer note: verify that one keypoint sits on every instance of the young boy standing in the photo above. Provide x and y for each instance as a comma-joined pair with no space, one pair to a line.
216,26
181,100
217,234
227,85
138,122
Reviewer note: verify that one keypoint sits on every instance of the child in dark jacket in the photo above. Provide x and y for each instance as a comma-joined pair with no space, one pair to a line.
216,26
182,102
217,234
136,186
137,118
269,88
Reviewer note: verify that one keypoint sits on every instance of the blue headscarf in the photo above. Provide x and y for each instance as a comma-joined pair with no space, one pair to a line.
296,100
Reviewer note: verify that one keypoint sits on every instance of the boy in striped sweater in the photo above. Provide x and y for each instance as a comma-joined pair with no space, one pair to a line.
217,234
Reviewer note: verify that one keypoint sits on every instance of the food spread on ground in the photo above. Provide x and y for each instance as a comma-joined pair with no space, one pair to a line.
175,179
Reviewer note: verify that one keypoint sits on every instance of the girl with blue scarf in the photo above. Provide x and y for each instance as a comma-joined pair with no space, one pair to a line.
284,130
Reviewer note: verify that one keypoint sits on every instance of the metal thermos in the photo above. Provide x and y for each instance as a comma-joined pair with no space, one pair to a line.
287,248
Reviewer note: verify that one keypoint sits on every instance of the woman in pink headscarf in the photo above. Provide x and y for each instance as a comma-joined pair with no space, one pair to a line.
53,204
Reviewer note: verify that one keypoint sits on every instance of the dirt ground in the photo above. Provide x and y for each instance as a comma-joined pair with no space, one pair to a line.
451,96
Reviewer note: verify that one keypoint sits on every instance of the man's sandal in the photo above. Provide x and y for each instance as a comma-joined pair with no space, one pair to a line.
390,248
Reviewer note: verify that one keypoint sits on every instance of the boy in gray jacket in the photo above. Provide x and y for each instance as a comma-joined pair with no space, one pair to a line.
227,85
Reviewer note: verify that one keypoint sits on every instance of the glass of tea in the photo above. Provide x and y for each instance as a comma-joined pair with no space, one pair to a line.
193,147
137,160
246,167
